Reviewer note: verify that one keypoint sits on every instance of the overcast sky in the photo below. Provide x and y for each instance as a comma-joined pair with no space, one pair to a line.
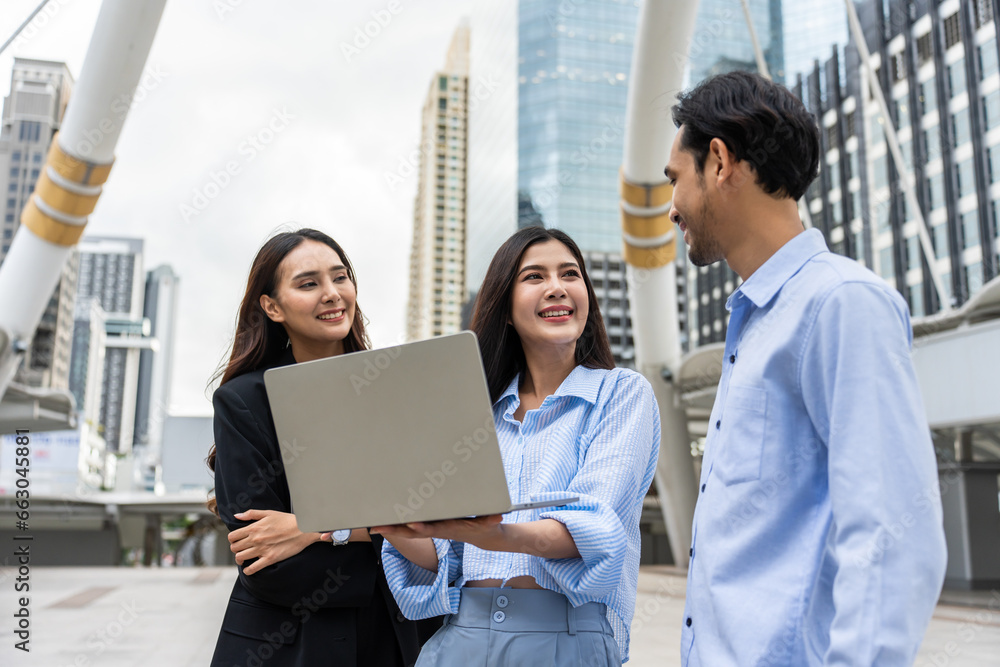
220,72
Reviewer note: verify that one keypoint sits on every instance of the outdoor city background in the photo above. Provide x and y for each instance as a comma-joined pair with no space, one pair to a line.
420,135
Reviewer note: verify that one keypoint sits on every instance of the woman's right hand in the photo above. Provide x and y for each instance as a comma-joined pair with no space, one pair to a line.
271,538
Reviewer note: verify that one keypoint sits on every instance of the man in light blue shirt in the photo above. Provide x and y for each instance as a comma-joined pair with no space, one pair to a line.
817,537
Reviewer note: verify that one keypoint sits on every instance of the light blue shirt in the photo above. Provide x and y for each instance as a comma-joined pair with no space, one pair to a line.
818,534
598,438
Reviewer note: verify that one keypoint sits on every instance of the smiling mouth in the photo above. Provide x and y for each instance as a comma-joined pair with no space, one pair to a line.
333,317
564,312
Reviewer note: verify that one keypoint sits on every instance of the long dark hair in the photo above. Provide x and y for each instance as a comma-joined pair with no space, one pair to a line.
258,341
503,356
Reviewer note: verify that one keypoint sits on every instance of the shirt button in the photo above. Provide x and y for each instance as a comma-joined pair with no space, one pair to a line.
732,358
718,425
502,601
688,622
691,553
703,488
400,617
499,616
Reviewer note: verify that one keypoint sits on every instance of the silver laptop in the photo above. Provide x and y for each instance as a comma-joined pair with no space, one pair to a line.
389,436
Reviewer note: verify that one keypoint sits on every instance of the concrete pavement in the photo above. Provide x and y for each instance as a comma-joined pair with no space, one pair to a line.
128,617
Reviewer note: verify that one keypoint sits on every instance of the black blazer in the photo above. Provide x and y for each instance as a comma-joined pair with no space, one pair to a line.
327,605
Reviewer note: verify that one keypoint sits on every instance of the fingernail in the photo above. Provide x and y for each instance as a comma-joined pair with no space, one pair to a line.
238,515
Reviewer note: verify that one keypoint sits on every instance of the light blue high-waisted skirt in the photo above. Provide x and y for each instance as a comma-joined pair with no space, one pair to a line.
497,627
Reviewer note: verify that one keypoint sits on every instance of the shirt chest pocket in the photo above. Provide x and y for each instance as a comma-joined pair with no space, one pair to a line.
741,436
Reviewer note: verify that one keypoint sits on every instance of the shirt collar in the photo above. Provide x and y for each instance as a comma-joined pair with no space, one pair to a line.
768,280
582,382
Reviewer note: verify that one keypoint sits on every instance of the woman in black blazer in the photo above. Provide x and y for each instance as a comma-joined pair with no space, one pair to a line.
297,600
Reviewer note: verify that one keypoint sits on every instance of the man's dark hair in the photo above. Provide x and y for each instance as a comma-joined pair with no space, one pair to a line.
759,121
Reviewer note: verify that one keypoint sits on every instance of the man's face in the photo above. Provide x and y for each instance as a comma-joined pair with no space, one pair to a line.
693,208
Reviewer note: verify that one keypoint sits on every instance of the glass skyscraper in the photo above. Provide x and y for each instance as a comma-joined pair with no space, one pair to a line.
721,41
573,66
810,30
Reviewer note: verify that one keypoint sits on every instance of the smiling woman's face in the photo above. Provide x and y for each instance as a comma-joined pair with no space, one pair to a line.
314,299
549,304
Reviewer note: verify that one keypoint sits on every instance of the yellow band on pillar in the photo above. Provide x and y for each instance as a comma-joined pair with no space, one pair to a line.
645,195
651,258
646,228
48,228
70,203
74,169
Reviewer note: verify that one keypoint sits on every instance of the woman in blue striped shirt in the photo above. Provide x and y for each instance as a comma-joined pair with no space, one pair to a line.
552,586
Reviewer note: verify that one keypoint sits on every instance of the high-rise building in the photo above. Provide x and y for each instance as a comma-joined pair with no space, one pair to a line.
939,67
492,151
86,375
722,41
155,366
111,271
811,30
39,92
437,256
573,72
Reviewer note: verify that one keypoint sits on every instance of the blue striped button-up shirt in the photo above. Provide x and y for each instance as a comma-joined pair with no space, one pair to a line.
817,535
597,438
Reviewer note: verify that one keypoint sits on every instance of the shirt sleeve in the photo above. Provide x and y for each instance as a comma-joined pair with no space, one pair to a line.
616,471
249,475
862,395
421,593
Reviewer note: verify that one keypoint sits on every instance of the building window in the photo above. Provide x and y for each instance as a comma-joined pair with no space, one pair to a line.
859,244
983,11
917,300
935,189
974,277
956,77
925,48
831,136
881,211
939,236
30,130
988,58
902,113
994,158
970,229
443,103
928,97
898,62
966,178
960,127
852,119
912,252
887,271
14,172
880,172
15,156
37,158
932,141
952,31
875,129
991,109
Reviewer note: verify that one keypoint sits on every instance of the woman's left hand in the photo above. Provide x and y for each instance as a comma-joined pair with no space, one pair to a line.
485,532
271,538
